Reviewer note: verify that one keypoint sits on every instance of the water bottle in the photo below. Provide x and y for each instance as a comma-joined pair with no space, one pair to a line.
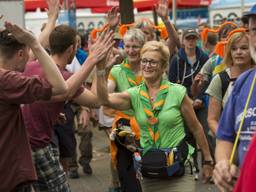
137,157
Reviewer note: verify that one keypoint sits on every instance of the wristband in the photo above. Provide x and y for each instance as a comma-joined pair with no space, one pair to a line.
210,163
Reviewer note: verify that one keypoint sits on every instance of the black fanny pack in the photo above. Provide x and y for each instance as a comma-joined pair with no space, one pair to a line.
162,163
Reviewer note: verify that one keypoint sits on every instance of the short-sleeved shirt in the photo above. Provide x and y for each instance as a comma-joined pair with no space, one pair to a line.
40,117
215,89
171,124
16,164
212,67
233,112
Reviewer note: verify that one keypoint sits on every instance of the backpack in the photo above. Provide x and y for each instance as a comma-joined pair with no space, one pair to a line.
225,80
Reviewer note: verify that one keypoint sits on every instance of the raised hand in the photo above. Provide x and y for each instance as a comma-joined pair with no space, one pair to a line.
99,50
22,35
113,17
111,59
197,84
53,9
162,9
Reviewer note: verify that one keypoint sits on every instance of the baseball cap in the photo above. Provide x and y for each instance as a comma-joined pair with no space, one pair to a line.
251,12
190,32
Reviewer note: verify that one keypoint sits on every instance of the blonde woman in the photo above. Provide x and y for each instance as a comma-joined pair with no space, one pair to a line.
160,107
237,58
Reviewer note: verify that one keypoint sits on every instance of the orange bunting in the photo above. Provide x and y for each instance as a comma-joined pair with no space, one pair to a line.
220,47
124,28
204,34
95,31
227,23
206,31
237,30
162,29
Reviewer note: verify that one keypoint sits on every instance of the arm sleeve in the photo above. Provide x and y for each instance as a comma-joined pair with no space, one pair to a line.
182,91
226,129
19,89
207,69
214,89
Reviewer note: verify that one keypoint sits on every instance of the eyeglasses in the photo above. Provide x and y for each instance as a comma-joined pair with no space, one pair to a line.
151,62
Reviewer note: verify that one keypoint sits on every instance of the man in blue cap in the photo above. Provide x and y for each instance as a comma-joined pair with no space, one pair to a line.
226,173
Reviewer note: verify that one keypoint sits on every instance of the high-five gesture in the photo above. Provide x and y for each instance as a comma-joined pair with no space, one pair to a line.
101,47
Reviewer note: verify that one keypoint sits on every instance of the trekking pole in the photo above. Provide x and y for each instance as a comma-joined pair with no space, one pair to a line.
242,120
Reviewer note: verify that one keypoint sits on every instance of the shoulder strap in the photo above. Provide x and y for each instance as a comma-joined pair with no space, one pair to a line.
178,67
180,63
224,77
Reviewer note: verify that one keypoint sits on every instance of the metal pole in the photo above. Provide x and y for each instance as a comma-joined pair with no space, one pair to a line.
242,7
174,14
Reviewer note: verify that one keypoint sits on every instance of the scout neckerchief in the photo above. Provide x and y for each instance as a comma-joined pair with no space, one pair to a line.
132,79
152,110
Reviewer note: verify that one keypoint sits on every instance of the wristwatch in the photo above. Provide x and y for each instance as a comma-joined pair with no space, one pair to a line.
210,162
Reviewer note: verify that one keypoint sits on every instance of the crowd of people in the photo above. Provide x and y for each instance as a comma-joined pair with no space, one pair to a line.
161,97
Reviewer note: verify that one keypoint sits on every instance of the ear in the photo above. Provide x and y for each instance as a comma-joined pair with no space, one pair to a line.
71,49
20,53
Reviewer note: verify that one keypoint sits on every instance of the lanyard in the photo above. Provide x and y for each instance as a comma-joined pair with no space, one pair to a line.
242,120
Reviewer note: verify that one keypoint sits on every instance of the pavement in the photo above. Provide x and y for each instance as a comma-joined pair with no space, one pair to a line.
100,180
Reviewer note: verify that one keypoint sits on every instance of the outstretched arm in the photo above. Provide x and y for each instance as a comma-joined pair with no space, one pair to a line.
119,101
98,52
